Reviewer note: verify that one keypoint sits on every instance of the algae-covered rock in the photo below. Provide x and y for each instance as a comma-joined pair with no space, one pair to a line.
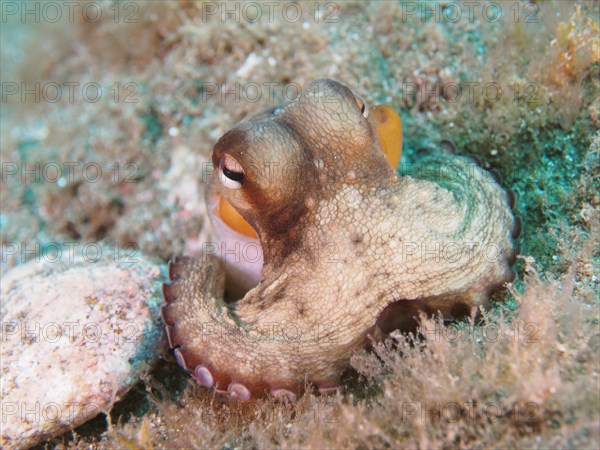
76,336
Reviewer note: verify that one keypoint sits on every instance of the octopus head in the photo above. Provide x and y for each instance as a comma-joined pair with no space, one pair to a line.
276,164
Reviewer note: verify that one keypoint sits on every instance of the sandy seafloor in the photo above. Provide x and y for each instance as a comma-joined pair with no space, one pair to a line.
137,91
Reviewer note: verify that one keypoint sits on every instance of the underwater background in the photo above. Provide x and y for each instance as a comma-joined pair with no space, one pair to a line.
109,115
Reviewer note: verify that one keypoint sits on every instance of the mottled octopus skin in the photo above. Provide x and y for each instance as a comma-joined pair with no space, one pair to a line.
339,231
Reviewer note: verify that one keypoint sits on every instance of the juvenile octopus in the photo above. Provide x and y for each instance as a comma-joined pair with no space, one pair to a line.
351,249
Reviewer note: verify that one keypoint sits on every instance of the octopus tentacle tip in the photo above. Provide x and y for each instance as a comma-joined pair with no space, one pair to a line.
283,395
179,358
203,376
239,391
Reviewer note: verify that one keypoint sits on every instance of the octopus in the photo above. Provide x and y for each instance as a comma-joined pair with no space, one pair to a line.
321,247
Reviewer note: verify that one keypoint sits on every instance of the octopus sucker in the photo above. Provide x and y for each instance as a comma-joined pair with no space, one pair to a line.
283,394
203,376
518,225
350,249
512,198
168,330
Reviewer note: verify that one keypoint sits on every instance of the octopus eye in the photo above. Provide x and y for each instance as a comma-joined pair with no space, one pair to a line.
363,106
231,172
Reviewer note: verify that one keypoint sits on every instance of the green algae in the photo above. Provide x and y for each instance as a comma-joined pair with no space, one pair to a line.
153,128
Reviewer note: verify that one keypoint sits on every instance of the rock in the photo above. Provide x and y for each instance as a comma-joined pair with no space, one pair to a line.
76,336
